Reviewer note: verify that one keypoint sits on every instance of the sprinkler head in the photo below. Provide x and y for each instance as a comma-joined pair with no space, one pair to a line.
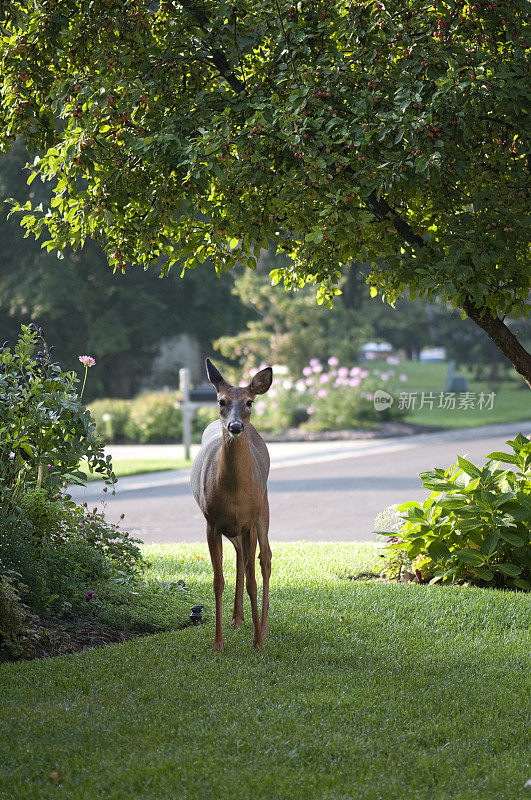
195,616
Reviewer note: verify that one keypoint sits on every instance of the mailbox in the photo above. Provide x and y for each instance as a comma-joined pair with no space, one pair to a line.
203,394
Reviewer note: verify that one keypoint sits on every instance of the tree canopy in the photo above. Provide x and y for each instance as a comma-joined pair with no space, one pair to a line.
391,131
83,307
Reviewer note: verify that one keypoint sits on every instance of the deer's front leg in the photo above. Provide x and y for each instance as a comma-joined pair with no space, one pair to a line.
249,556
215,546
237,615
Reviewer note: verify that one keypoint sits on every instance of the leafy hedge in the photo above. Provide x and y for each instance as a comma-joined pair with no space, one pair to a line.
475,525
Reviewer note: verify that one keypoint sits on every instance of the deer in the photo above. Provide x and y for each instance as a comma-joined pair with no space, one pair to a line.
229,483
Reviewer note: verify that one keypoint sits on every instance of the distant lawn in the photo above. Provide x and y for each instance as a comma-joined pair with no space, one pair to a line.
364,690
512,403
124,467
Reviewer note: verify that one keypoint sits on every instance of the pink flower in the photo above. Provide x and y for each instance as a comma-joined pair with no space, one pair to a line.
307,371
354,382
333,361
88,361
403,377
343,372
322,393
300,386
314,362
310,410
317,367
364,373
354,372
324,378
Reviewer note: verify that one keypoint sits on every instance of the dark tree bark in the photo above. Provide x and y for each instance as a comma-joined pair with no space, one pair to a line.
502,337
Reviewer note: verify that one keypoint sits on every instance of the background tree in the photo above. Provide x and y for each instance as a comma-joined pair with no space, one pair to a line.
290,328
390,131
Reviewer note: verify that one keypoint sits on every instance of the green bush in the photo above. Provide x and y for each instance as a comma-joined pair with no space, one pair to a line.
45,430
58,549
13,612
111,417
474,526
155,417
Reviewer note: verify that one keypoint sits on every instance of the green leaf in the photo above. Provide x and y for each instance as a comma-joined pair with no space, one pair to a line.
512,538
507,458
484,574
489,545
469,556
508,569
520,583
468,467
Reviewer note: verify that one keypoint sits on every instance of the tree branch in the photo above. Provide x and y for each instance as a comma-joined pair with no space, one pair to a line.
218,57
502,337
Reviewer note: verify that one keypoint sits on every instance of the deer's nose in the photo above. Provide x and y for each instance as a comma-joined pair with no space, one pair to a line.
235,427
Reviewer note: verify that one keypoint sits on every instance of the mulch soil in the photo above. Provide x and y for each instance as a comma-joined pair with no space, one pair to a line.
55,636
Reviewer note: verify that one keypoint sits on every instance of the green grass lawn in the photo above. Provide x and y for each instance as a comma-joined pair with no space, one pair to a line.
123,467
364,690
512,403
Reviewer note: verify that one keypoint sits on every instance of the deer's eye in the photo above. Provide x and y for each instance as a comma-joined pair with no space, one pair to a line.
249,403
222,402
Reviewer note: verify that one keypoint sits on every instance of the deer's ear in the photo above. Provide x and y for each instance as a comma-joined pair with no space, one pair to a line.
261,381
214,375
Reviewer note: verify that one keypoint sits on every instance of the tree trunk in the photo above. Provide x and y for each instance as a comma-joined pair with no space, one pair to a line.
502,337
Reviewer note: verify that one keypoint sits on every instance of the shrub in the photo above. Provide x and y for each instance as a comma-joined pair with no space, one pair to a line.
58,548
326,398
13,612
111,417
474,526
155,417
19,629
45,429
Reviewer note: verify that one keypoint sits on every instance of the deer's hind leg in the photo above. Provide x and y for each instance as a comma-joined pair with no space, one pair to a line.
249,557
237,614
265,562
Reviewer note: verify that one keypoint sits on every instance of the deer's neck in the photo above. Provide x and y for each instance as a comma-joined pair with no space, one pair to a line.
235,462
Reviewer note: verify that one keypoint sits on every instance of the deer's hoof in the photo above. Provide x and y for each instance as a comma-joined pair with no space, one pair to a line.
236,622
258,643
219,645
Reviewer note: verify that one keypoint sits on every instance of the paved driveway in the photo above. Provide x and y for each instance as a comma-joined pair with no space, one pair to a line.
318,491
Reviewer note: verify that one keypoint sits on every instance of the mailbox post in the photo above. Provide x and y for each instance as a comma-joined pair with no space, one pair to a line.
192,400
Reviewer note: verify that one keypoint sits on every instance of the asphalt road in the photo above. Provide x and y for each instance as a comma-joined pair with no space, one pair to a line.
330,492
